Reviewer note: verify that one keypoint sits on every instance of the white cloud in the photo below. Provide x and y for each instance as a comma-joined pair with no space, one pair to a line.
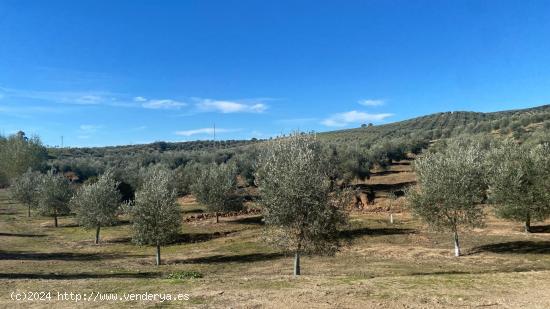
227,107
140,99
351,117
209,131
163,104
370,102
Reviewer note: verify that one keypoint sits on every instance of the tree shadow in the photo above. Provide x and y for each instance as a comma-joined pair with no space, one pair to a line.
249,220
350,234
200,237
61,256
540,229
514,247
121,222
192,211
53,276
22,235
118,240
382,173
62,225
450,272
384,187
9,212
244,258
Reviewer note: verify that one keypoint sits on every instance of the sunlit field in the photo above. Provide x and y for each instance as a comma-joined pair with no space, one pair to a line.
395,265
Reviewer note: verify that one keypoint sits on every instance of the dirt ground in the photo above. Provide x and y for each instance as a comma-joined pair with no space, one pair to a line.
381,265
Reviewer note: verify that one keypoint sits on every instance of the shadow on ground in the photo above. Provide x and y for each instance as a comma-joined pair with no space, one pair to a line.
182,238
200,237
517,247
350,234
540,229
244,258
61,256
22,235
53,276
249,220
456,272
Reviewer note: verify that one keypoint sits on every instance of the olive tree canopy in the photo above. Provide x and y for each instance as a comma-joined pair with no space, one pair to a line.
155,213
215,187
54,195
18,153
97,204
451,187
520,182
25,189
295,191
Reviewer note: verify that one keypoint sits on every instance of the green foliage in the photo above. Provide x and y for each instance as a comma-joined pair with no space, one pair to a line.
416,132
346,164
520,182
451,187
185,176
295,192
155,213
96,204
182,275
215,187
54,195
18,153
245,160
25,189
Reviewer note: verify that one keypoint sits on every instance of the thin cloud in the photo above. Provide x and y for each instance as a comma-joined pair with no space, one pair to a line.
371,102
353,117
66,97
162,104
140,99
204,131
227,107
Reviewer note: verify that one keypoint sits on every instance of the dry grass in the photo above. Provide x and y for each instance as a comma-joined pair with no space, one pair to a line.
381,265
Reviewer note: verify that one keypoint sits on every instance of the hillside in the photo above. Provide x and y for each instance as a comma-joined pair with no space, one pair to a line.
521,123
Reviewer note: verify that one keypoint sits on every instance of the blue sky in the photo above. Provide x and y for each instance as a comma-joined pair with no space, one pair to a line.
121,72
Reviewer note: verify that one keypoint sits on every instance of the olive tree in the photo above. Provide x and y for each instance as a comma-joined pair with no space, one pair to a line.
185,176
450,189
25,189
520,182
215,187
54,195
300,212
19,153
96,204
155,213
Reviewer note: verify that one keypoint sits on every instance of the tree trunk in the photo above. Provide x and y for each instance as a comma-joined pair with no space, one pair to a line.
297,263
97,235
527,224
391,218
457,244
29,214
158,254
217,217
55,220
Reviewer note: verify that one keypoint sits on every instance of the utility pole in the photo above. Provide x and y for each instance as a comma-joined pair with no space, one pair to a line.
61,141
